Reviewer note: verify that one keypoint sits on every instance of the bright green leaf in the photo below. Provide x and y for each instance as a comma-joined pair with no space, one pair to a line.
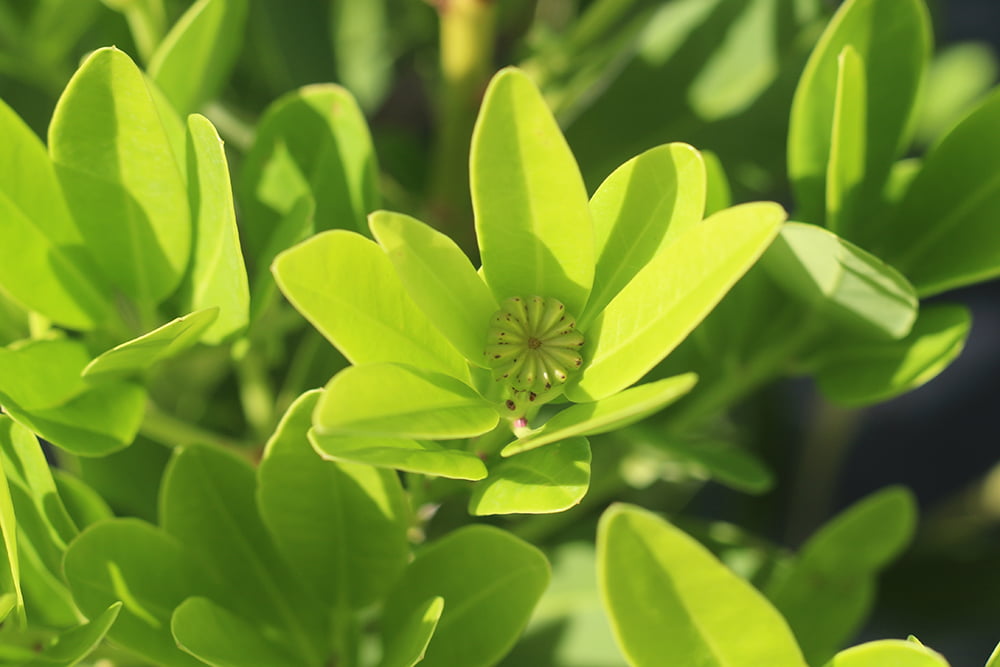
396,401
77,643
208,503
122,180
943,233
440,279
994,659
671,602
532,218
420,456
322,133
42,373
845,172
347,288
828,590
149,571
141,353
895,652
541,481
195,58
616,411
855,373
408,646
670,296
217,276
892,38
313,508
640,208
43,265
8,602
295,227
852,287
481,622
220,638
8,532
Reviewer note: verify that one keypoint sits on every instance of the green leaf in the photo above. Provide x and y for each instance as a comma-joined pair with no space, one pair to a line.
440,279
420,456
42,374
141,353
408,646
129,480
8,531
672,602
895,652
217,276
195,58
84,505
295,227
8,602
95,423
532,219
827,591
340,526
147,570
892,39
77,643
43,265
122,180
845,172
396,401
320,131
960,75
942,234
843,282
490,582
541,481
362,38
994,658
718,195
641,207
855,373
207,502
347,288
220,638
670,296
717,460
609,414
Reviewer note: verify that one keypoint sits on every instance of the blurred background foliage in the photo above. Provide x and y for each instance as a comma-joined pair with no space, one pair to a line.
622,76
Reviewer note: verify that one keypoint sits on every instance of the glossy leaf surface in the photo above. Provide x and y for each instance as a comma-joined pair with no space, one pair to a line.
541,481
671,602
532,219
479,624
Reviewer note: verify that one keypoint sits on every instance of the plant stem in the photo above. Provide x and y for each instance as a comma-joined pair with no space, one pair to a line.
467,33
170,431
256,394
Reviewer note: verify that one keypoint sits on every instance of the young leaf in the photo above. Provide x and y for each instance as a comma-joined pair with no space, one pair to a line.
396,401
892,39
828,589
490,582
670,296
532,218
77,643
149,571
860,374
542,481
671,602
408,646
852,287
347,288
608,414
195,58
207,502
420,456
122,179
845,173
140,353
217,276
42,264
313,508
641,207
895,652
440,279
323,133
942,234
217,637
994,659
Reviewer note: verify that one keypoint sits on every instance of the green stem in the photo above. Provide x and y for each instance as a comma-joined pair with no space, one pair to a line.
467,35
256,393
170,431
147,21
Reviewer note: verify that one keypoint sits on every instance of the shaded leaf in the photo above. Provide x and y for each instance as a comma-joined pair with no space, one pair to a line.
220,638
845,172
77,643
409,645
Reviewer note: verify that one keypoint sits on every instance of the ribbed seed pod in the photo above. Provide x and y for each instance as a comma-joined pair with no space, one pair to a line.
533,344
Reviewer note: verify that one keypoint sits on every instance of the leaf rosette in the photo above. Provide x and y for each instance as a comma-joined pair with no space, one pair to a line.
575,301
